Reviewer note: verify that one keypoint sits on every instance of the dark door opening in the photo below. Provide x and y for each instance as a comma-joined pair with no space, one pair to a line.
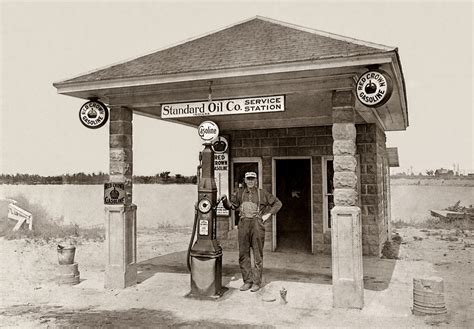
293,188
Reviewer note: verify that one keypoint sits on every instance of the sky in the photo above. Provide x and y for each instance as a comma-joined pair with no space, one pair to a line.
44,42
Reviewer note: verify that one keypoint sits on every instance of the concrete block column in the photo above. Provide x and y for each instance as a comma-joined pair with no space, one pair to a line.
120,220
346,229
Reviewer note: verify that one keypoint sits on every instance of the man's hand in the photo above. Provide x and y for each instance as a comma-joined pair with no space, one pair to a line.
265,217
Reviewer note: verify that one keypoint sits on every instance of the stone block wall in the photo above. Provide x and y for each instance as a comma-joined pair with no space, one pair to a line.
121,149
370,143
382,185
314,142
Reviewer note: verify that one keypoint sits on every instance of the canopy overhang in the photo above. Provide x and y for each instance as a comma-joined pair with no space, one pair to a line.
301,82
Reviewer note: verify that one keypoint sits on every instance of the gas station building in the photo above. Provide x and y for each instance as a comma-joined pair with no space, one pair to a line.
322,151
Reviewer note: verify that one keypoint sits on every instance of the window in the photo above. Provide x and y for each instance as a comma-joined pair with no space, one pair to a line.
328,190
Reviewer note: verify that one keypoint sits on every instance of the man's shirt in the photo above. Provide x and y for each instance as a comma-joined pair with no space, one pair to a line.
268,202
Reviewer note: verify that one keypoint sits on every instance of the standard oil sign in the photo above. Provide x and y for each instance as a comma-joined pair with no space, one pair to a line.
263,104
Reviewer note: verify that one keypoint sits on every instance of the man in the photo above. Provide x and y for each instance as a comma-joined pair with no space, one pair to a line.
256,206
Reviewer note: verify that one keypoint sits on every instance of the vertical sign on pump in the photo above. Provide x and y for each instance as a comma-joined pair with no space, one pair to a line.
221,170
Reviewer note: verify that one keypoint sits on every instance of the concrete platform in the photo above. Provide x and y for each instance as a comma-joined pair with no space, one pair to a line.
278,266
164,281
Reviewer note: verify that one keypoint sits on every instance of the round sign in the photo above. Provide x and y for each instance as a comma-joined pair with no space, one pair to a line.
374,88
204,205
220,145
93,114
208,131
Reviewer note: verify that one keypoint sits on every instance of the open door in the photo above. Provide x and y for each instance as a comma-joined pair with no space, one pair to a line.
293,221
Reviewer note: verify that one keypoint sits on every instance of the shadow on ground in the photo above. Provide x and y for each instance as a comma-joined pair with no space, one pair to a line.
58,316
278,266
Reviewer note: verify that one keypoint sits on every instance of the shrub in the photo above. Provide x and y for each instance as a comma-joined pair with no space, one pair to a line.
391,249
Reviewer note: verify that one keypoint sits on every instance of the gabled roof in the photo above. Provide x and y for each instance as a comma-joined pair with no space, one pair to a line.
258,41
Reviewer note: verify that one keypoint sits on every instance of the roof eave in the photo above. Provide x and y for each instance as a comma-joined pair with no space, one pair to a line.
71,88
402,86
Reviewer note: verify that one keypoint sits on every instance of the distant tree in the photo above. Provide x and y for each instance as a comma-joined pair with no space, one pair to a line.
430,172
165,175
179,178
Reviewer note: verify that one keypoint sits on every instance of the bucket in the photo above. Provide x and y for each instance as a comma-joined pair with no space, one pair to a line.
66,254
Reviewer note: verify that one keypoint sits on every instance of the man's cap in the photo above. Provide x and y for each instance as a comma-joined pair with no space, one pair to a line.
250,174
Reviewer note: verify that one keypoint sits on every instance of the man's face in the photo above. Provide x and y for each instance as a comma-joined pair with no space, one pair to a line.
251,182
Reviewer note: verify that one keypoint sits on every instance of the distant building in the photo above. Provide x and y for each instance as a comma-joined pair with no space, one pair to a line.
444,173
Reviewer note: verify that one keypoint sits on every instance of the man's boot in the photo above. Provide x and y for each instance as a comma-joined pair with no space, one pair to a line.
246,286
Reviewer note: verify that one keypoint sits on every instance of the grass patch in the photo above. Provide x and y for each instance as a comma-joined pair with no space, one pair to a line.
437,224
44,227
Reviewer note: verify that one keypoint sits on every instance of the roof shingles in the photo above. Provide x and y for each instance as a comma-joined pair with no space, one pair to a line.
252,43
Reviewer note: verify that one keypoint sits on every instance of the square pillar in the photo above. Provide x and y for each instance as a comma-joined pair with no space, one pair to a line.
120,220
121,246
346,229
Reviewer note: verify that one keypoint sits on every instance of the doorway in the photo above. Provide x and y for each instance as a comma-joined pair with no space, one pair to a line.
293,221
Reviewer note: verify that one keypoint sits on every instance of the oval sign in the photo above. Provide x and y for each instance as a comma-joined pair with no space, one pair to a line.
374,88
93,114
208,131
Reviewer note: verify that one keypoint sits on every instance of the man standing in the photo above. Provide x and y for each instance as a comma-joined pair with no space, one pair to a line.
256,206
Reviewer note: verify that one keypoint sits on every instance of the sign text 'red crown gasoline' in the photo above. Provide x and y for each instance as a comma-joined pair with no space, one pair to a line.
223,107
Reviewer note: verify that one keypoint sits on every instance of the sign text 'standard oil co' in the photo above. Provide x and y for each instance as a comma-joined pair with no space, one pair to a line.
222,107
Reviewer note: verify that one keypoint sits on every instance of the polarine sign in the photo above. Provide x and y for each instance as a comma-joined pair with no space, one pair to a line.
265,104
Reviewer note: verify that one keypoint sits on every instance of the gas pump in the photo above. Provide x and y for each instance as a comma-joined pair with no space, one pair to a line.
205,256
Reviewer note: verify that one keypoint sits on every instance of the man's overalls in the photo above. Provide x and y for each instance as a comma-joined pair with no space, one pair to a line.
251,235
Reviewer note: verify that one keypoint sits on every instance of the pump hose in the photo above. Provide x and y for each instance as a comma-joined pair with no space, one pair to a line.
188,258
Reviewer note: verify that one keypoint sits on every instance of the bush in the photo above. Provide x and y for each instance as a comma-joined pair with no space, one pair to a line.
391,249
44,227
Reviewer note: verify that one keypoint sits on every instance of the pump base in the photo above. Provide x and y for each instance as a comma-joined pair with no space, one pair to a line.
206,275
218,295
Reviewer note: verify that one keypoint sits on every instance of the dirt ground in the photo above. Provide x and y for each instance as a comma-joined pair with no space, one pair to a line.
451,253
30,297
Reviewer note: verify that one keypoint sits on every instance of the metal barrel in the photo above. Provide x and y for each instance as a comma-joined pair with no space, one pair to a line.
68,274
428,296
